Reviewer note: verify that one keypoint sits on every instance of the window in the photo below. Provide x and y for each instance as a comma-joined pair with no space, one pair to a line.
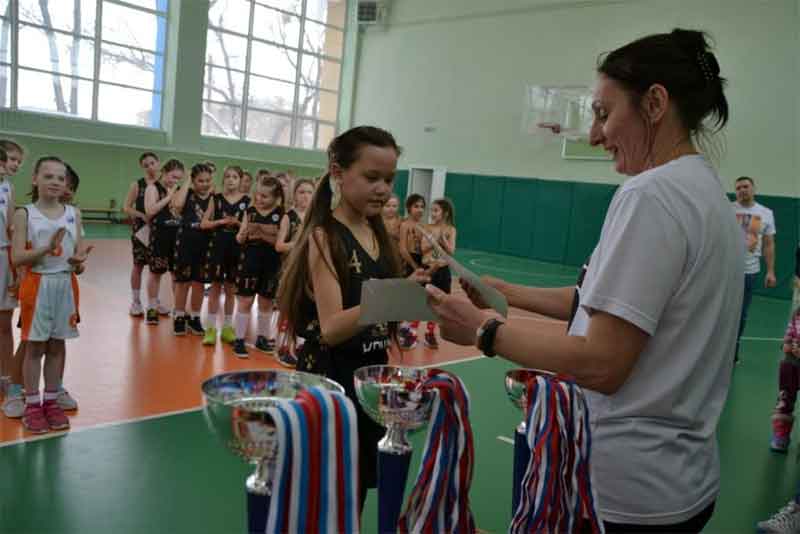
95,59
273,69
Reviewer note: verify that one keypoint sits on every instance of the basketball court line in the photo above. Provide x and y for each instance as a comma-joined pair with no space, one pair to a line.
505,439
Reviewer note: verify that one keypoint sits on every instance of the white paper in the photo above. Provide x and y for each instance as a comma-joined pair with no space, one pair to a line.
393,299
490,295
143,234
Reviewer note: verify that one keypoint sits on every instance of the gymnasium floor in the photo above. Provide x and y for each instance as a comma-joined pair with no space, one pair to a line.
139,457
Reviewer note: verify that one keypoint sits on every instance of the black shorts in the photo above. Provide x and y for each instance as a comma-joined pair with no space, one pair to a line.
162,249
141,252
259,269
191,256
224,255
442,278
409,269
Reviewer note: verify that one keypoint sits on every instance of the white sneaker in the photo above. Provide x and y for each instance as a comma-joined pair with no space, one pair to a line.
785,521
163,310
66,401
14,403
136,309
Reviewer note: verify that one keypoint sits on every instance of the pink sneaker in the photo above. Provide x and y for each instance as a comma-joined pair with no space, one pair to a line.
34,420
56,419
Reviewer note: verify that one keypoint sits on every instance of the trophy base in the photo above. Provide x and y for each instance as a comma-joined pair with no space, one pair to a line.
256,486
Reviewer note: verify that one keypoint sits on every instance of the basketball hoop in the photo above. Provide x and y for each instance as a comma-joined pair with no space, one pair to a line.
560,111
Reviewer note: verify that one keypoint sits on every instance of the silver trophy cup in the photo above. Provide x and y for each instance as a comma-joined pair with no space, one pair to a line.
396,398
236,407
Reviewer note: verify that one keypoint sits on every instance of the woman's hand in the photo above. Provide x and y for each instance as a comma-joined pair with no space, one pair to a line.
473,293
459,320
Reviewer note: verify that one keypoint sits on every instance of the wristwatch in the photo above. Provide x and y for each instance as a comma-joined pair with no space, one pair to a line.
485,336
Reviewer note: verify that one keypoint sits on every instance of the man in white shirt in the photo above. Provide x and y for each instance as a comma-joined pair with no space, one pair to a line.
758,231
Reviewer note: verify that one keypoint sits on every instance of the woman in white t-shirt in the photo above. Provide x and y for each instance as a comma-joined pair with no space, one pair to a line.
653,326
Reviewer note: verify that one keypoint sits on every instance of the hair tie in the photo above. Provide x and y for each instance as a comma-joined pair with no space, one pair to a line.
705,67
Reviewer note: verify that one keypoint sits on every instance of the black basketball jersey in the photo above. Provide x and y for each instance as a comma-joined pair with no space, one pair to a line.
360,267
194,209
268,223
295,222
164,217
139,204
223,208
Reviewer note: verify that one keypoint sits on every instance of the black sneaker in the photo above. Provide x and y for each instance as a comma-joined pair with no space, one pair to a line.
265,345
179,326
194,326
152,316
239,349
286,358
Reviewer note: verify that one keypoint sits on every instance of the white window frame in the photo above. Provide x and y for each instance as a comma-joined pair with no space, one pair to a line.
295,116
98,42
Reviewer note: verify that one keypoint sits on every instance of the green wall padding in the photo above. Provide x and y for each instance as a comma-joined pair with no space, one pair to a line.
487,212
458,188
589,205
400,189
518,216
560,222
553,210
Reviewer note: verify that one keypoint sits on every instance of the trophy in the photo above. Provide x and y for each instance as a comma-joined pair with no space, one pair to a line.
235,409
396,398
517,381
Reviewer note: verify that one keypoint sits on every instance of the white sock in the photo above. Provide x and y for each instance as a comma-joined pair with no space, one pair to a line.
228,320
263,324
273,324
242,320
135,294
179,313
196,314
211,320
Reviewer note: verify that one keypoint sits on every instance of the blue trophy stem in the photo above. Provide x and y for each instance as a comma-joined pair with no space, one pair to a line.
522,455
257,512
392,475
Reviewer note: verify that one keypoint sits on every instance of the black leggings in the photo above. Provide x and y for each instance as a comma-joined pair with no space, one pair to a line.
692,525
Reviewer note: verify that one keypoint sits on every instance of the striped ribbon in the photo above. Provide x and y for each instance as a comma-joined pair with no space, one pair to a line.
439,501
315,485
557,494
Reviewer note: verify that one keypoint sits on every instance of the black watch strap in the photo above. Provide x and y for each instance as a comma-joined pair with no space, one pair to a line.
486,340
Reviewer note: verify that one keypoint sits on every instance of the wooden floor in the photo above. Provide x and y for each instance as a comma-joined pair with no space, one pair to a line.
121,369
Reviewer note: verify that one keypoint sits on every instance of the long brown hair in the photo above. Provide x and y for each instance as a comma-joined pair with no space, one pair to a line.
295,283
448,210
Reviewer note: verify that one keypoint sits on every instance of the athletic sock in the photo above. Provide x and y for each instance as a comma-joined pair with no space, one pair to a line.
263,324
33,398
242,320
211,320
179,313
196,314
228,320
50,395
135,295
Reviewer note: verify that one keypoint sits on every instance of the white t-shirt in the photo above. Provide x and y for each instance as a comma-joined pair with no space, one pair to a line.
756,222
669,262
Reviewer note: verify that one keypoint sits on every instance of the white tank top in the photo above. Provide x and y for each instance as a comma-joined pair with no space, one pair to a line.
41,230
5,199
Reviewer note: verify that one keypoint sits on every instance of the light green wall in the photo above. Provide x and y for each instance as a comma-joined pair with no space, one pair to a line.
460,66
106,155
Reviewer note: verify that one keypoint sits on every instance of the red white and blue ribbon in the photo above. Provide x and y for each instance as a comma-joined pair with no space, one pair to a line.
439,501
557,494
315,484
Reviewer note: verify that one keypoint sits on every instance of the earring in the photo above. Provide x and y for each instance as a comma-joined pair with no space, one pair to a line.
336,195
